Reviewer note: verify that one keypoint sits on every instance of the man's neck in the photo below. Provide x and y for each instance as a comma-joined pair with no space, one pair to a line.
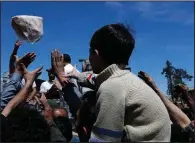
66,64
50,80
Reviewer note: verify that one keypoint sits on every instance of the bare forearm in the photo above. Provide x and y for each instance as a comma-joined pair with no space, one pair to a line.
19,98
174,112
11,65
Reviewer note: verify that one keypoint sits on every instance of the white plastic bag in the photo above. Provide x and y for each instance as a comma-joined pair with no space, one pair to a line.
29,28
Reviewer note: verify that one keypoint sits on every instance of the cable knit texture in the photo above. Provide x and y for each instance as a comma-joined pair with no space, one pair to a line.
126,103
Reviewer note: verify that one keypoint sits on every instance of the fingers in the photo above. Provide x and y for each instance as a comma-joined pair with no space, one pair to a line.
62,57
38,74
144,76
66,81
38,70
53,58
57,59
31,57
142,73
140,76
18,43
56,56
28,57
43,97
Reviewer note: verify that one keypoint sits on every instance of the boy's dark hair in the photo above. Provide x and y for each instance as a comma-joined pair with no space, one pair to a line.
25,125
114,42
67,58
65,126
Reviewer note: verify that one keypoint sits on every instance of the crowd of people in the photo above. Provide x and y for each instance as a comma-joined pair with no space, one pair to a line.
104,102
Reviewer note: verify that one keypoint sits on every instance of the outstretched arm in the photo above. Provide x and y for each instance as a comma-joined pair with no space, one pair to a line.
14,85
174,112
56,134
12,57
23,94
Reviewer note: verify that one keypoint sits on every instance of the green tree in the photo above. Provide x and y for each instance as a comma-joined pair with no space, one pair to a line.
174,77
168,71
180,75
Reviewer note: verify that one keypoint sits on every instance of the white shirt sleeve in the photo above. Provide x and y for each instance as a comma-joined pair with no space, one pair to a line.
42,88
45,86
23,82
68,69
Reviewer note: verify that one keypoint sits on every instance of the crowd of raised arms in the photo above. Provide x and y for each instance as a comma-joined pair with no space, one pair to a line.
105,102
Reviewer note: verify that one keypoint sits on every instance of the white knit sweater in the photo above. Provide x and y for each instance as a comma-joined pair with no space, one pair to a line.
126,103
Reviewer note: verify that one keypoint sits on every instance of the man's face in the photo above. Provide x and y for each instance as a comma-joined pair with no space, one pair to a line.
51,76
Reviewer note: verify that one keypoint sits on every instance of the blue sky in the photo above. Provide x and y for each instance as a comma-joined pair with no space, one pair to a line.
164,31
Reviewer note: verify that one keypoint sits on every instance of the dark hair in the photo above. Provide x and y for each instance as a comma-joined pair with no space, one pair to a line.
65,127
114,43
67,58
25,125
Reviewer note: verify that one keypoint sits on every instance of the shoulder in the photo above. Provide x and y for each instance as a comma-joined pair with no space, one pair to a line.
44,83
113,86
126,81
69,67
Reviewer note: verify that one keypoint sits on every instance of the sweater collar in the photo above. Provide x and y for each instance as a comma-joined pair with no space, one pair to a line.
112,70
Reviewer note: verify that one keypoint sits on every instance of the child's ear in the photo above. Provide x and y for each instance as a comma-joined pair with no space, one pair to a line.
96,52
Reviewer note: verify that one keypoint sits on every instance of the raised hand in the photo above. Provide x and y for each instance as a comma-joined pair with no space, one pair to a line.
43,99
16,46
30,76
47,109
147,79
26,60
13,58
57,63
